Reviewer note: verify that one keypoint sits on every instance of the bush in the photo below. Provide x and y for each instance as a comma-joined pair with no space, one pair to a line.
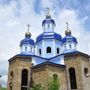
2,88
37,87
53,84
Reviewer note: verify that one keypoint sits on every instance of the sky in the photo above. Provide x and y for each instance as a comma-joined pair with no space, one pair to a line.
15,15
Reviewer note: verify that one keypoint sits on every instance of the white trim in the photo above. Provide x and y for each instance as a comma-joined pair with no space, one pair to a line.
54,49
43,48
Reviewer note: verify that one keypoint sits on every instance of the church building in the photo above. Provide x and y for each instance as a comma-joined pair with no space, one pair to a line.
51,55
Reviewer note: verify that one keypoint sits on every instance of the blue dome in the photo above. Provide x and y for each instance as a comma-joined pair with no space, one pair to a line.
69,39
48,35
48,21
27,41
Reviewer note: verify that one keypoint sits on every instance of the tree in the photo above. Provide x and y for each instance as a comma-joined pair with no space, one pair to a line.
53,83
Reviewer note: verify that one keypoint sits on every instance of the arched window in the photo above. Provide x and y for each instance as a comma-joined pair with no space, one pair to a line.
11,75
72,78
57,50
25,48
86,71
40,51
48,50
70,46
55,76
24,79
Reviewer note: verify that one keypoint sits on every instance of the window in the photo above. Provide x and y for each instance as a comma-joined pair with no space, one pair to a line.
11,75
40,51
72,78
70,46
48,50
25,48
24,79
86,72
57,50
55,76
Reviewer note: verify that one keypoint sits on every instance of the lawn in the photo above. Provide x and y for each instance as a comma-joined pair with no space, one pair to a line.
2,88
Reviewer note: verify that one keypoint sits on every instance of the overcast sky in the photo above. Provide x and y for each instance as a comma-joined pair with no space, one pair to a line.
16,14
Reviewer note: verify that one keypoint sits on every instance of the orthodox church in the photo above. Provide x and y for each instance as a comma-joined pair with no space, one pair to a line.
51,56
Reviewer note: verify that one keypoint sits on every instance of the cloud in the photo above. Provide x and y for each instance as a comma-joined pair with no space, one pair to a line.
15,16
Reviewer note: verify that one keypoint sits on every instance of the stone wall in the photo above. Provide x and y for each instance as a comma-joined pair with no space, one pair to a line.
17,65
78,62
43,74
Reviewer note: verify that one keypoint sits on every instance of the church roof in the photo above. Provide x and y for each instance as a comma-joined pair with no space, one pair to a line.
65,54
69,38
75,53
27,40
48,35
49,63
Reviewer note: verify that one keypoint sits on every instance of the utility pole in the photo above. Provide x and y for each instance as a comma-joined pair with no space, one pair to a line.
0,82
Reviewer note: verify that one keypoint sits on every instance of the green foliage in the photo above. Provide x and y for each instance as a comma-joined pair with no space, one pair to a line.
37,87
2,88
53,84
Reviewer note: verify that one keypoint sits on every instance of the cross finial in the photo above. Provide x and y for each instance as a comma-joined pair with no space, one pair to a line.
28,27
48,11
67,25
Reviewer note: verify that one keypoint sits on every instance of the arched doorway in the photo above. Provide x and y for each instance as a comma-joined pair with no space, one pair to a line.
24,79
72,78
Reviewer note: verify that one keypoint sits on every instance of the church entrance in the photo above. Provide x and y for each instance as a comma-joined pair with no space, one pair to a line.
24,79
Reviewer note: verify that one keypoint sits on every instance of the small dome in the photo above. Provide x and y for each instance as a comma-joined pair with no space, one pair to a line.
46,36
67,32
69,39
27,41
28,34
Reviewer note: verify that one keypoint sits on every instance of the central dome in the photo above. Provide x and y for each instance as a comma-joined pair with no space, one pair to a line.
52,35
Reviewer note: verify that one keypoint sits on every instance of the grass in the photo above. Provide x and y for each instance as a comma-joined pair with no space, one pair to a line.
2,88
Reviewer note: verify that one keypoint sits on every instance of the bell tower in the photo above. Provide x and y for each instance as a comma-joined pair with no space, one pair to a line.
20,65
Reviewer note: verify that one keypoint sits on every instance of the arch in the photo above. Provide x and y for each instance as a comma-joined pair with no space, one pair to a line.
55,76
72,78
11,75
48,50
24,79
86,71
58,50
70,46
39,51
25,48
